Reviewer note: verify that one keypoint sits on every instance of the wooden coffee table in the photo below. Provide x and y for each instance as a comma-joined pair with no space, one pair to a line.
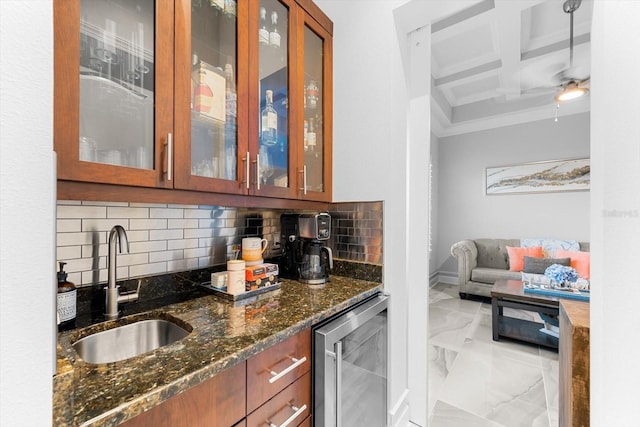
510,293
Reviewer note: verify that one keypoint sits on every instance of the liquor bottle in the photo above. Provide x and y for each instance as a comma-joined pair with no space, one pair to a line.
312,95
263,33
230,7
274,35
311,136
306,135
269,121
203,95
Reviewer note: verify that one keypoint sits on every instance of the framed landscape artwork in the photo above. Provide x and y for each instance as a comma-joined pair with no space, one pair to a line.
539,177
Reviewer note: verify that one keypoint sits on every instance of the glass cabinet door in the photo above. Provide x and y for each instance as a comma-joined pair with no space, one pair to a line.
272,156
206,95
214,99
117,82
316,141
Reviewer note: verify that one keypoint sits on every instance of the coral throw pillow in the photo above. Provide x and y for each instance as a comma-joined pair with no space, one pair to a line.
581,261
517,254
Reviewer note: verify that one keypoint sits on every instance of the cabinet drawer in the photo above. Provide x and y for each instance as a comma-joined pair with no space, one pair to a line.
262,369
218,401
294,400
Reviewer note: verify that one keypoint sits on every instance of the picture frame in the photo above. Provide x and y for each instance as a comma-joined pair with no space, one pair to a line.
539,177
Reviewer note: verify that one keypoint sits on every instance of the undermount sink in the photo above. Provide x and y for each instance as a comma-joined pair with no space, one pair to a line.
128,340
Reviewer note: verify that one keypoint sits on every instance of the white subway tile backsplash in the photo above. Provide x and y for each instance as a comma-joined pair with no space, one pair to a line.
151,246
64,253
198,213
147,269
182,264
70,239
147,205
75,278
148,224
182,223
103,224
68,225
89,251
205,262
132,259
166,234
74,211
182,244
137,235
183,206
127,212
165,213
166,255
168,237
197,252
197,233
84,264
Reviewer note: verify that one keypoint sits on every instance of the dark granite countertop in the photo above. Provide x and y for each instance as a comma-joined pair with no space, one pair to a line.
224,334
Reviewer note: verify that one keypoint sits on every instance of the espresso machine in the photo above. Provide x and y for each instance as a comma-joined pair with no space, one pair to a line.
305,257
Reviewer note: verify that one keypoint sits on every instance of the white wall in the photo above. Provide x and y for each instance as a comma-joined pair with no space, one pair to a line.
465,210
370,149
27,184
615,214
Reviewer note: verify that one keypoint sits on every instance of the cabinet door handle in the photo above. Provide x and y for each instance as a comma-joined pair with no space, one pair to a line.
169,156
296,414
275,376
246,170
304,180
258,172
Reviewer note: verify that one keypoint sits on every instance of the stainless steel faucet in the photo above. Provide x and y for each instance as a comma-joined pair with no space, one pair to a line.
117,234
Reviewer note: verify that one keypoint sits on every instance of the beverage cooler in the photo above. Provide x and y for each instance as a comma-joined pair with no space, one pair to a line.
350,367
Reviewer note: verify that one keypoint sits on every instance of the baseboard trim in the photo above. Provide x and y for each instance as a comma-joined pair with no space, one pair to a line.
448,277
399,414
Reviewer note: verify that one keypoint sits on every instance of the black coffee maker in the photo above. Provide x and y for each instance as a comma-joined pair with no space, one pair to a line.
305,256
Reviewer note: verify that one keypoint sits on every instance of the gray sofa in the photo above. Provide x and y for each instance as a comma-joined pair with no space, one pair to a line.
483,261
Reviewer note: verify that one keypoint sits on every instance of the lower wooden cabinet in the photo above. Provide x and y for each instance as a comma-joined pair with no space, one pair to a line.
219,401
269,388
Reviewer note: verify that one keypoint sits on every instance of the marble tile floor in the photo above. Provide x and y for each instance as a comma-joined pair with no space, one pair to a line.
477,382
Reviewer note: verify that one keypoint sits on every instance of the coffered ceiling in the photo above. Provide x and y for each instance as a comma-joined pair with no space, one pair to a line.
500,62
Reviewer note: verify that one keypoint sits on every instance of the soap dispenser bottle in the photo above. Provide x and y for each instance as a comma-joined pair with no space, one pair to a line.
67,296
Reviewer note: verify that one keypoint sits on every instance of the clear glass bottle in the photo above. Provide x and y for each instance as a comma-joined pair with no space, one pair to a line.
230,128
311,135
274,35
269,121
263,33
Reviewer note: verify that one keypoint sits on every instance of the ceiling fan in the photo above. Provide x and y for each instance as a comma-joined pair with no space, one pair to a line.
568,83
571,86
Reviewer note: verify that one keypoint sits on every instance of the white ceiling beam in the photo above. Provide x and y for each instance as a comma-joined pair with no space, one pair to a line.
508,25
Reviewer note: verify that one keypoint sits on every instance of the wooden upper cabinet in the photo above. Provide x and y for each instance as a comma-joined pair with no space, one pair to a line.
198,95
113,91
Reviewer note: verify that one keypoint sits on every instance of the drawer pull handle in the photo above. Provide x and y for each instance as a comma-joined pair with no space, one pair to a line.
295,415
275,376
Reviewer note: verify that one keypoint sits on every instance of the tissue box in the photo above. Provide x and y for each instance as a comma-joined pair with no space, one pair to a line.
219,280
259,276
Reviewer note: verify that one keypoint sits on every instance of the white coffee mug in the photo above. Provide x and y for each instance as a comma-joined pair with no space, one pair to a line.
253,247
